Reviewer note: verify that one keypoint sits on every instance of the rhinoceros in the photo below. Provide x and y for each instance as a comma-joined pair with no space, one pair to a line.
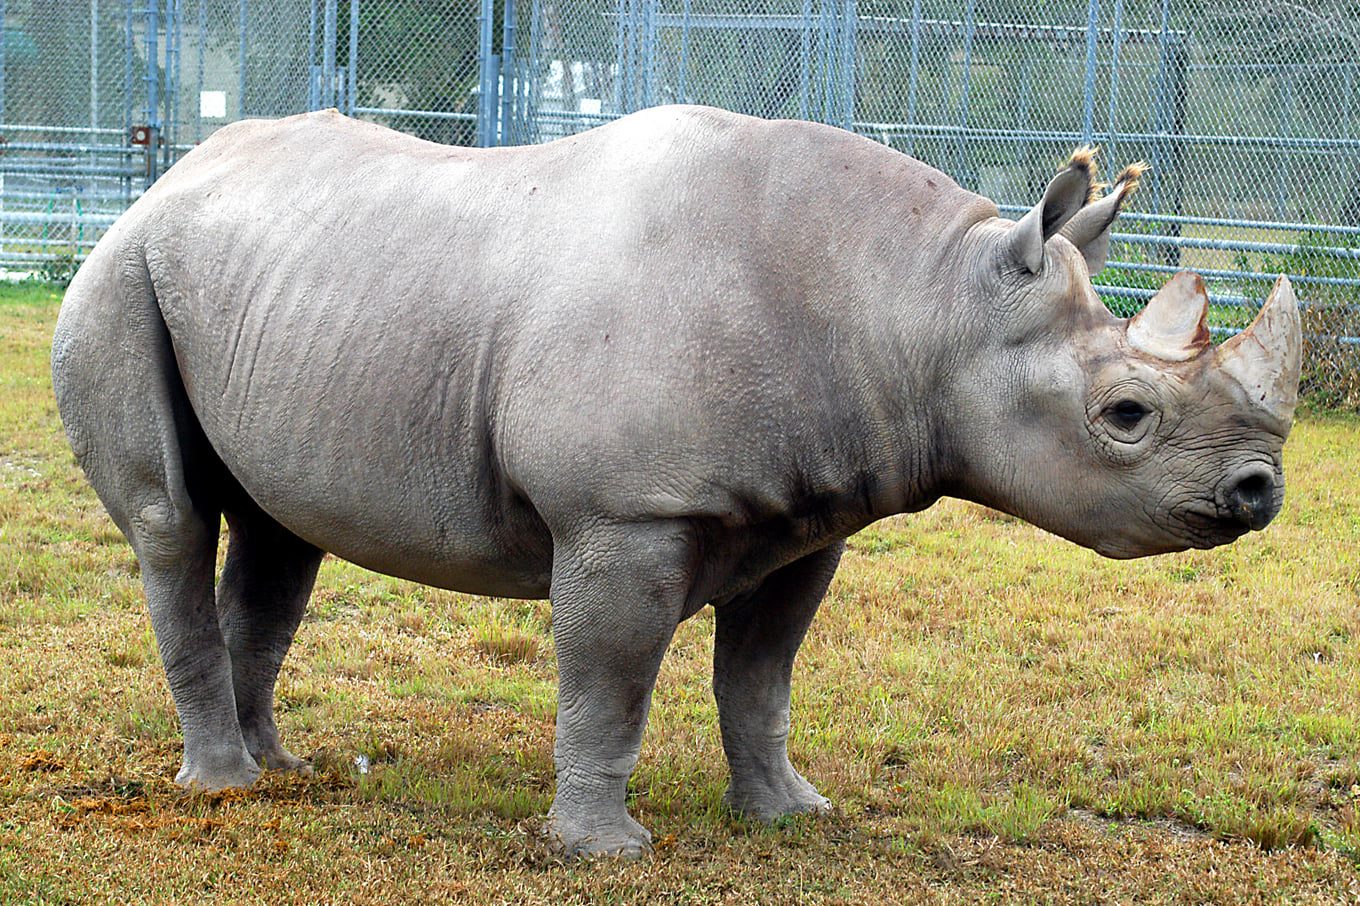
667,363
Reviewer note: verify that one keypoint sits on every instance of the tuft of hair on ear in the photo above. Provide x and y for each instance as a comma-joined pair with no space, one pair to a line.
1084,158
1129,177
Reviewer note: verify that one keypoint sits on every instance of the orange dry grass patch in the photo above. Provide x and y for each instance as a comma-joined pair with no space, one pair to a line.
504,646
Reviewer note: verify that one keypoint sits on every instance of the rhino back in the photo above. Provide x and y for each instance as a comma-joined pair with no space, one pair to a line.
429,360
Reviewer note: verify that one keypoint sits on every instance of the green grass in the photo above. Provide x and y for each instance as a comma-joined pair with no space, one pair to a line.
997,713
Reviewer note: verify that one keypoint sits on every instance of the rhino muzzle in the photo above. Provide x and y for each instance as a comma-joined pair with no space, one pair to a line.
1252,496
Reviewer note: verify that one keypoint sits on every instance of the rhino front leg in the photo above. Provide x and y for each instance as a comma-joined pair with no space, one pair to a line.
617,596
261,598
757,640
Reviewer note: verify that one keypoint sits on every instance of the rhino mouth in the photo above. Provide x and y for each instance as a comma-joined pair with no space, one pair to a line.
1212,528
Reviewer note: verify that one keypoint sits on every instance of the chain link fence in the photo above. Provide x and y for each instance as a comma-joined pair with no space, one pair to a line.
1246,113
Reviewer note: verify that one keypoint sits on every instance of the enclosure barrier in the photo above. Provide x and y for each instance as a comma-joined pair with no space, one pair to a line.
1245,112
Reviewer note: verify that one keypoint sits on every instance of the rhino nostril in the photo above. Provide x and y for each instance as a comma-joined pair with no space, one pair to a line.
1253,488
1250,497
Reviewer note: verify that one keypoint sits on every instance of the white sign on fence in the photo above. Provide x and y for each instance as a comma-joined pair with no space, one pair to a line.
212,105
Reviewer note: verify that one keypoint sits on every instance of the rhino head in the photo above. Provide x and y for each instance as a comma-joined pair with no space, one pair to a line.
1131,437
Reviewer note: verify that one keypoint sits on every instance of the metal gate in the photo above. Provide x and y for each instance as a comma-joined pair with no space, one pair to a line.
1250,117
99,97
568,65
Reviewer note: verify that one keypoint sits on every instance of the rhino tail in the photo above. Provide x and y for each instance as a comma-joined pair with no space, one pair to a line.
122,400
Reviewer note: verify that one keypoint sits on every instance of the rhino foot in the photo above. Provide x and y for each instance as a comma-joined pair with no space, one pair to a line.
208,773
768,799
625,839
280,759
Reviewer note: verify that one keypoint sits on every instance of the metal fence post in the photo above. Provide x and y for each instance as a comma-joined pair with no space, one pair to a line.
848,44
509,74
1088,107
313,70
685,14
1160,101
129,51
153,78
487,77
353,73
202,68
830,47
2,63
623,77
1169,119
961,146
169,121
241,24
649,52
1114,77
620,43
528,75
914,74
92,188
805,61
328,56
94,61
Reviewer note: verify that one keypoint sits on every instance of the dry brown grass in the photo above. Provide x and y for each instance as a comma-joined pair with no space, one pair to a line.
999,715
504,646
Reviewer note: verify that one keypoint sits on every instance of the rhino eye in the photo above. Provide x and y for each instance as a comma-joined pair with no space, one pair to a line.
1126,414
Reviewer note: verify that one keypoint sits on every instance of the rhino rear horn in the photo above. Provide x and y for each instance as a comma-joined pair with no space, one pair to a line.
1173,325
1067,192
1266,357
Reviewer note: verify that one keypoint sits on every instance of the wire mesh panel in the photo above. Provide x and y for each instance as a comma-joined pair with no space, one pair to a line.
1261,176
99,97
588,61
225,60
417,66
1247,114
278,70
64,97
572,67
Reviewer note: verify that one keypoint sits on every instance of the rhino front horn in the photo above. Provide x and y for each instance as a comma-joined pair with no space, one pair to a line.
1172,326
1266,357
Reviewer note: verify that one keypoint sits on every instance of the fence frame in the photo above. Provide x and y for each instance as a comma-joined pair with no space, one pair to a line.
509,67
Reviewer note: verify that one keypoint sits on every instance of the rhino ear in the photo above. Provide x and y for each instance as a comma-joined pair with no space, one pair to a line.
1089,229
1066,194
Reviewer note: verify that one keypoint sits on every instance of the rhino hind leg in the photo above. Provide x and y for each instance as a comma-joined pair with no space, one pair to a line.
757,640
617,597
261,598
177,552
136,437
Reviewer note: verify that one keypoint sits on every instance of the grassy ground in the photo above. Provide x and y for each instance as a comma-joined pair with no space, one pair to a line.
999,715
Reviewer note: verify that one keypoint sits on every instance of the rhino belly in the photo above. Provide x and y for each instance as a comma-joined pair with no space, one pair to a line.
360,485
361,429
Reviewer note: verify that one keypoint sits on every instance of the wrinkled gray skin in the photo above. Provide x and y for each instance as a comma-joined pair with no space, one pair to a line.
667,363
